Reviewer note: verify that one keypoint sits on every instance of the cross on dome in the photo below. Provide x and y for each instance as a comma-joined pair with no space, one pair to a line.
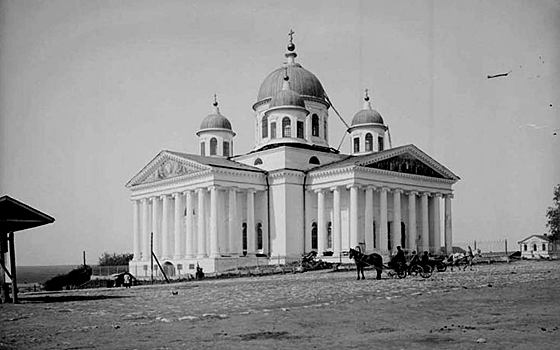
290,55
367,103
215,104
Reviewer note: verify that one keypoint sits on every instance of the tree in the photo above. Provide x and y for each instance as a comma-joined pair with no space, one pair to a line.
115,259
553,215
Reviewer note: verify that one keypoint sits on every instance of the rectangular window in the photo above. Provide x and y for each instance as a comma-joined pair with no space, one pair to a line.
273,130
202,149
356,145
226,149
380,143
300,129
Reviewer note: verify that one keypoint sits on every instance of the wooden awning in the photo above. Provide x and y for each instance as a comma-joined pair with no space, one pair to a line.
17,216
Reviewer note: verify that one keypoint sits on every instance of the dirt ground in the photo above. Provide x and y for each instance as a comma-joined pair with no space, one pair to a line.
498,306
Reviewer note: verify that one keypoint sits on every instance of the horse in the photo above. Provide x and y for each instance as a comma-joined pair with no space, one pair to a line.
458,258
363,260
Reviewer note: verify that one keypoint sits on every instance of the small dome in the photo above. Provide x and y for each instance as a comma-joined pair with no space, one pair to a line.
287,97
367,116
215,121
302,81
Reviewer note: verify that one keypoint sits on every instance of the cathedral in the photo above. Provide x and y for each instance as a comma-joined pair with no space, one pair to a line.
292,193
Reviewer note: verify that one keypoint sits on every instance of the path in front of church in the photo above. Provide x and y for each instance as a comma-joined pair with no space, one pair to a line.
498,306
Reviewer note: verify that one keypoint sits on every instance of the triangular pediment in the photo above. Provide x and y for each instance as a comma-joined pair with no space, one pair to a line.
165,166
407,160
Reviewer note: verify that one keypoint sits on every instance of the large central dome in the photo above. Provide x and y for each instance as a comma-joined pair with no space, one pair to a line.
302,81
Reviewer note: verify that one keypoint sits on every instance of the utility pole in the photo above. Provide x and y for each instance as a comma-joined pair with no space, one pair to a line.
152,256
84,257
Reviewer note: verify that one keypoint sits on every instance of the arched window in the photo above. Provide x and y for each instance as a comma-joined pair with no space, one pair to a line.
244,230
356,144
226,149
329,235
380,143
374,236
543,246
403,235
273,130
524,247
315,125
534,247
369,142
389,234
213,146
264,124
300,129
326,127
258,161
259,236
314,243
202,148
314,160
286,127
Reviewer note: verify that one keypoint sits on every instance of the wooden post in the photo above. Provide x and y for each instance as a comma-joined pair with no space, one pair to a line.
13,267
4,289
84,256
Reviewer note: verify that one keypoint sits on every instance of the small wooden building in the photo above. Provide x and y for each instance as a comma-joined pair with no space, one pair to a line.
537,247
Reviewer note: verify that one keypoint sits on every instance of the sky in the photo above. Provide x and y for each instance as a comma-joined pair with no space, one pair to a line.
91,91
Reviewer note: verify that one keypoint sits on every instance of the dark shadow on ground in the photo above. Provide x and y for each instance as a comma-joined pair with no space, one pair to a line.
66,298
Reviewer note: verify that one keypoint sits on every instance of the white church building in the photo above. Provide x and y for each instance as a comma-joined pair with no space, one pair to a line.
292,193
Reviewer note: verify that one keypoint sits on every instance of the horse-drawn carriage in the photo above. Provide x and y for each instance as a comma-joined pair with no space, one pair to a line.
400,270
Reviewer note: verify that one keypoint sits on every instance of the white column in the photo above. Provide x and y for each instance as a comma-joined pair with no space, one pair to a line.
233,227
165,228
251,222
448,225
383,239
136,234
337,232
189,225
437,224
425,223
214,245
368,218
178,229
145,229
397,219
201,237
155,226
412,220
353,216
321,225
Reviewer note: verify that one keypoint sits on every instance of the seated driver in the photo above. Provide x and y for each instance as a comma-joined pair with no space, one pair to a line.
399,259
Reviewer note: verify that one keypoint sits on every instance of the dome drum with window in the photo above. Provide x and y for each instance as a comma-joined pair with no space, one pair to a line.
367,132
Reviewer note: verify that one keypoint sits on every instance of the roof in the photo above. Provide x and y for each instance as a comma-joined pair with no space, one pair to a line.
287,98
542,237
216,161
215,121
372,158
302,81
18,216
367,116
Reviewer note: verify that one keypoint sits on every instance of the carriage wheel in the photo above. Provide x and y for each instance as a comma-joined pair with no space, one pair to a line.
426,272
415,270
401,273
441,267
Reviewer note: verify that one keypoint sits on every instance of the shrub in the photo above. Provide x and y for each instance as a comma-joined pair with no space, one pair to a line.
74,278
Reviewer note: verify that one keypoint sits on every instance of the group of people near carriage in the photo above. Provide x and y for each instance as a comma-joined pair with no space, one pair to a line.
401,266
